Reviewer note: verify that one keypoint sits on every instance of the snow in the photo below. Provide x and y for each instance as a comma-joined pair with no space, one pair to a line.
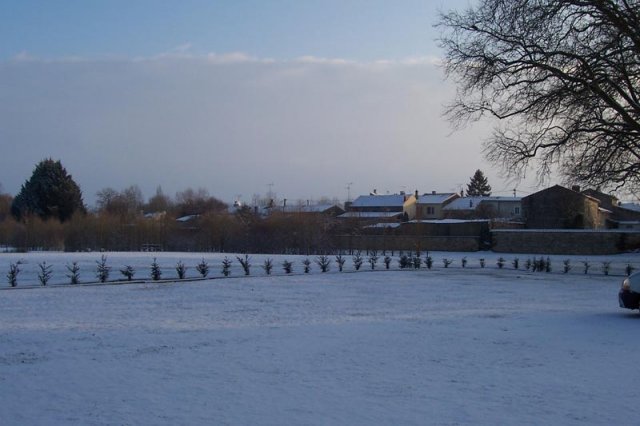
435,198
445,346
390,200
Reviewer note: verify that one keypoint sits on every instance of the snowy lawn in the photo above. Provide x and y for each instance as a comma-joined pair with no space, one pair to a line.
443,347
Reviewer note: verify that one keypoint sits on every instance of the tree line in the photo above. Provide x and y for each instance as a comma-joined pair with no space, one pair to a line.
49,214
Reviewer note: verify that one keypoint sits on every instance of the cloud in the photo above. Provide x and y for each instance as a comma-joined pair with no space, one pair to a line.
232,123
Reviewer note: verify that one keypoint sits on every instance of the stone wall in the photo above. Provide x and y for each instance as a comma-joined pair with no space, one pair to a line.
550,241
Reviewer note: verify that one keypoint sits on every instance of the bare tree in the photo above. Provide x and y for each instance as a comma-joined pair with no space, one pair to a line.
561,76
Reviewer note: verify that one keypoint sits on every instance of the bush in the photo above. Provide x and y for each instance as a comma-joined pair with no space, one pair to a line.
547,265
267,266
340,260
323,262
629,269
102,270
12,275
244,262
528,264
45,273
404,262
156,273
500,262
287,266
463,261
482,262
226,266
357,261
74,273
128,272
181,270
203,268
387,262
516,263
307,266
566,266
606,266
417,262
586,265
373,260
446,262
428,261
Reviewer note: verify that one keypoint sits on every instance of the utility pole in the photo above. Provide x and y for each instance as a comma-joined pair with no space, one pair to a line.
349,191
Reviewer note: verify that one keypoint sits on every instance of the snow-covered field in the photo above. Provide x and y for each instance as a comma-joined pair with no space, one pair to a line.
444,347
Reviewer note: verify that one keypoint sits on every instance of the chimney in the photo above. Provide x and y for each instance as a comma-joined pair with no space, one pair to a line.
417,194
462,193
433,192
575,188
284,203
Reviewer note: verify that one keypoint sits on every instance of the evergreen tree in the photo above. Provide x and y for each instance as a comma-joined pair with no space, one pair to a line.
50,193
478,185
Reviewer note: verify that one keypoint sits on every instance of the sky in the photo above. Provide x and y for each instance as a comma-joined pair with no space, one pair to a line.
307,99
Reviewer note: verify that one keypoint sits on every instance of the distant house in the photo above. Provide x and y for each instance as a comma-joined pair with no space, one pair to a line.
431,206
326,209
381,208
509,208
617,214
558,207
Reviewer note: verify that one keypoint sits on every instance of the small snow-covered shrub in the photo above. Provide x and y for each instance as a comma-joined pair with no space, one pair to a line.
226,266
357,261
566,266
528,264
482,262
102,270
417,262
12,275
340,260
323,262
373,260
156,273
203,268
428,261
287,266
404,261
586,265
463,261
307,265
500,262
74,272
516,263
128,272
181,270
267,266
446,262
547,265
45,273
387,262
629,269
244,262
606,266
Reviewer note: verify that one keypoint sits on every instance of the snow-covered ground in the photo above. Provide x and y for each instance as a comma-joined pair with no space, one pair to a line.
444,347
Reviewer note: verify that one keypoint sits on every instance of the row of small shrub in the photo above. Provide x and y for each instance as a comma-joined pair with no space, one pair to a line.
406,261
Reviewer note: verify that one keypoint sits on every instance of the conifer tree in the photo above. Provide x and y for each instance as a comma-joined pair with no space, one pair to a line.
478,185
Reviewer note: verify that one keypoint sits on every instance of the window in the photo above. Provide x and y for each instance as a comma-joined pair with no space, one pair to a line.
431,210
516,210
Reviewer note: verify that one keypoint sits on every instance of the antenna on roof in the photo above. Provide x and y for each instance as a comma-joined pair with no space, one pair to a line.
514,192
349,191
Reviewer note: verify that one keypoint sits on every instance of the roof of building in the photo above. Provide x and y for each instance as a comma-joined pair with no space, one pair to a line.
367,215
312,208
437,198
393,200
630,206
471,203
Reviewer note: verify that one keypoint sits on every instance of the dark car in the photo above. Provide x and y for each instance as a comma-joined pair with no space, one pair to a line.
629,295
